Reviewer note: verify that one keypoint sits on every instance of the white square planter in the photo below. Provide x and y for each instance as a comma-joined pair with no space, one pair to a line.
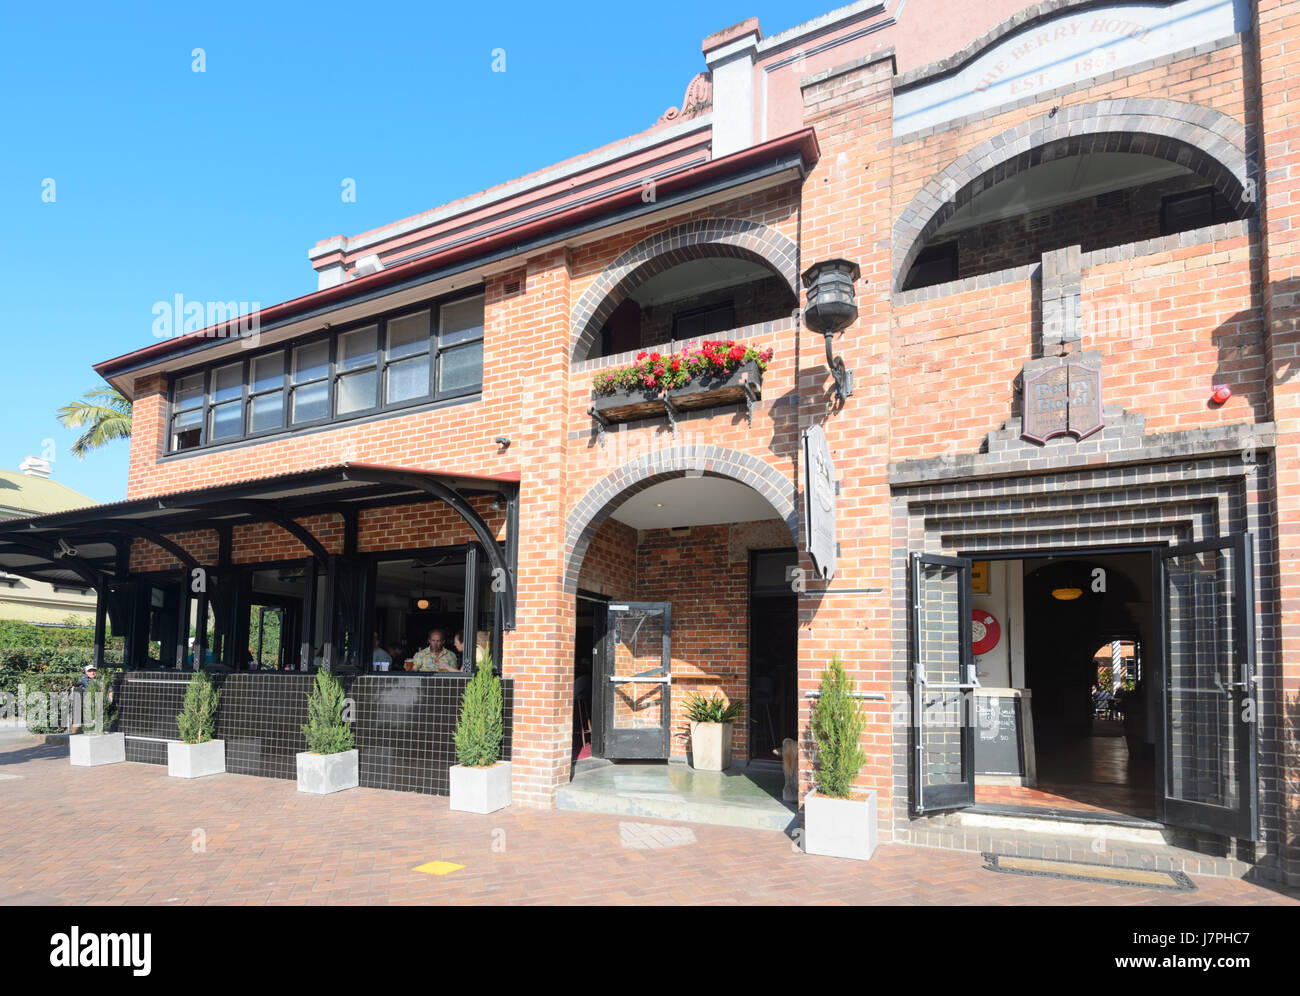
196,760
87,750
480,790
711,746
322,774
840,828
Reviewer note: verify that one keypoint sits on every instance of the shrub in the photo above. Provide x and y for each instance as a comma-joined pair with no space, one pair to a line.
198,716
327,732
478,734
711,710
96,702
837,724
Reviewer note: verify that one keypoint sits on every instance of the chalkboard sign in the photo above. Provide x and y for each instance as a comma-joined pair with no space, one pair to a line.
999,735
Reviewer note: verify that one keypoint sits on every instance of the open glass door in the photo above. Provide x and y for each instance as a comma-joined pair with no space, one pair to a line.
943,679
635,670
1207,704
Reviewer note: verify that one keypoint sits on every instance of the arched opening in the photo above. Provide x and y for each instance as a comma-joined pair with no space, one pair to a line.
693,281
683,591
1094,199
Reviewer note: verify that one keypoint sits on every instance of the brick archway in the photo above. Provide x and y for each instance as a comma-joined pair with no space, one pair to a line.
610,491
1203,140
708,237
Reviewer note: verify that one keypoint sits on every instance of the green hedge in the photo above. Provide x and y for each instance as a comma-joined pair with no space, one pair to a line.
44,659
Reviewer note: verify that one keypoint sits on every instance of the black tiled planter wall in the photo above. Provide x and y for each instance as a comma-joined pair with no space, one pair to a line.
404,725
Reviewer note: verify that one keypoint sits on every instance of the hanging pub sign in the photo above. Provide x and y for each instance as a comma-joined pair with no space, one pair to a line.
819,501
1061,394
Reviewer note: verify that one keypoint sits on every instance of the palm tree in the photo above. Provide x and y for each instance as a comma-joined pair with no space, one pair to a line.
104,415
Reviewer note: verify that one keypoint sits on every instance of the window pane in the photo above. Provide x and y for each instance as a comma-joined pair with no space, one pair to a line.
461,367
461,321
310,402
268,372
228,382
227,421
186,429
356,392
189,391
408,379
357,349
267,412
408,335
311,362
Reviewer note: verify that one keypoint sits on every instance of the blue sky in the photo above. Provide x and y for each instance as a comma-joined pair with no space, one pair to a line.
213,185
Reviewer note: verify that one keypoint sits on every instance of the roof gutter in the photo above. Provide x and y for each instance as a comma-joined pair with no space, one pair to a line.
668,190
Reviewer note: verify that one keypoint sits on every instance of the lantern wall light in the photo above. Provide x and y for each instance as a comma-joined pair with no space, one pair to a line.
831,308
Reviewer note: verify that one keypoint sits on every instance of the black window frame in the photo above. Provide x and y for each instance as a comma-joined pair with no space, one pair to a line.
332,337
1217,210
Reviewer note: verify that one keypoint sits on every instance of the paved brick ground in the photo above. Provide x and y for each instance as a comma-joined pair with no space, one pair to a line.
125,834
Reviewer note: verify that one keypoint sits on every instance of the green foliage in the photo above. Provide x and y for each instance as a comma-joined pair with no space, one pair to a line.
837,724
711,710
655,372
103,415
198,716
327,732
478,734
46,697
97,710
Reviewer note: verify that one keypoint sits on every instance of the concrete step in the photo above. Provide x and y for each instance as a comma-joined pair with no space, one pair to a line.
736,798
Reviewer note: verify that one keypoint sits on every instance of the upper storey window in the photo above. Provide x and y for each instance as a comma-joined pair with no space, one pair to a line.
409,357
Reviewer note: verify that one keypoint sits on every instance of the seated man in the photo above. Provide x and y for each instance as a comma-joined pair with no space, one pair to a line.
436,657
379,659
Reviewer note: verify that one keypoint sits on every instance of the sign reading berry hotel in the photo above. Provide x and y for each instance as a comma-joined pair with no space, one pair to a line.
819,501
1061,394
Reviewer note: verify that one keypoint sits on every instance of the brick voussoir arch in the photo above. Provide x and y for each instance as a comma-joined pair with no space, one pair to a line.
1210,143
591,511
706,237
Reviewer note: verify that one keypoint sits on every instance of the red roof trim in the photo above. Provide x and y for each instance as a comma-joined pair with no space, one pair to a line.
804,142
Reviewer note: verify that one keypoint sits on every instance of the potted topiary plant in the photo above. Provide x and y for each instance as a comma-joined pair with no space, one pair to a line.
197,754
95,745
480,783
834,823
330,762
711,728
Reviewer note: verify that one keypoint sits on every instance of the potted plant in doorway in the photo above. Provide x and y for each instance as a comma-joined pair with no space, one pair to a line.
711,722
94,745
197,754
836,824
480,783
330,762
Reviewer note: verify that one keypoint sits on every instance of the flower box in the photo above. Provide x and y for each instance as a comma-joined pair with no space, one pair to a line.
840,828
710,746
86,750
480,790
323,774
196,760
706,391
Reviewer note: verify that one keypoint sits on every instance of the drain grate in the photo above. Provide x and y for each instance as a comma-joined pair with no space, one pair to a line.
1079,871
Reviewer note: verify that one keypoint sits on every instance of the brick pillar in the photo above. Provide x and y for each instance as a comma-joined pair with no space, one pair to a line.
148,431
1277,34
845,213
539,653
1061,283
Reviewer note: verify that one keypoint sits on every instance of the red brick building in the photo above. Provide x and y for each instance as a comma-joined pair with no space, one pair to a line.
1070,416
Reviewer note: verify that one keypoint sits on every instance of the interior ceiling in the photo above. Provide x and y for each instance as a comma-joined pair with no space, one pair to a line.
409,577
693,501
1060,182
697,276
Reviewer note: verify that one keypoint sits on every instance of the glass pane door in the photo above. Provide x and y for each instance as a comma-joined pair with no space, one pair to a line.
943,679
635,667
1208,765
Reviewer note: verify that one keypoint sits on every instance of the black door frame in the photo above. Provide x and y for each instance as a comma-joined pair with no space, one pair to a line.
754,592
634,747
959,794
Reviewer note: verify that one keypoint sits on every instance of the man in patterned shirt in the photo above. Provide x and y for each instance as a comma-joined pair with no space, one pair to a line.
436,657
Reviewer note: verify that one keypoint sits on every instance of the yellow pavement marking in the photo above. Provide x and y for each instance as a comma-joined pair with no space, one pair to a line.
438,867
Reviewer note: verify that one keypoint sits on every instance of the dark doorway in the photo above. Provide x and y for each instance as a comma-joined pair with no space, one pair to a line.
589,628
773,708
1095,748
